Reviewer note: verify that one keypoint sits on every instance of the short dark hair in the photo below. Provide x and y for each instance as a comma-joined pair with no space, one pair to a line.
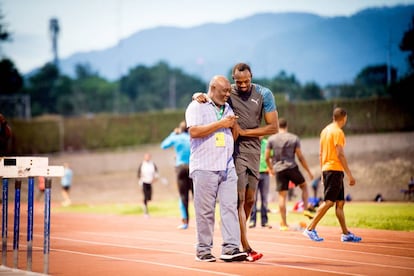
241,67
282,123
339,113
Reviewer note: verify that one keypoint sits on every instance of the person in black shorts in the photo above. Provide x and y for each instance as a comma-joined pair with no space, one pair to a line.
285,147
147,175
333,166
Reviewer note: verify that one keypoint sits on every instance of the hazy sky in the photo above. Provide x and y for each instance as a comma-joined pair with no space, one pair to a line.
87,25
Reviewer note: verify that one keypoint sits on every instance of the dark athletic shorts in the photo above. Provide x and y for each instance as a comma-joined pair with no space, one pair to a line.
283,178
147,189
333,183
247,169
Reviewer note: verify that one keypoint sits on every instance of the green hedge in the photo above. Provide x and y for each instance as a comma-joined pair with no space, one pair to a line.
36,136
108,131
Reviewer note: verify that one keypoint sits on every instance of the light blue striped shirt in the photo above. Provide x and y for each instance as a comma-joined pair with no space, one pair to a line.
205,155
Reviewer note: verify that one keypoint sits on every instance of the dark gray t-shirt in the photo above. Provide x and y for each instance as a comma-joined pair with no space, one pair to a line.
284,146
250,107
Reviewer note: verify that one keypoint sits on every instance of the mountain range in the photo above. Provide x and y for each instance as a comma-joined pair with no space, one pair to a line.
325,50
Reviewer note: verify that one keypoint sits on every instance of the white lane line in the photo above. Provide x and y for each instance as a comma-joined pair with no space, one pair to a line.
311,269
350,262
278,245
339,250
272,264
210,272
193,269
364,243
122,246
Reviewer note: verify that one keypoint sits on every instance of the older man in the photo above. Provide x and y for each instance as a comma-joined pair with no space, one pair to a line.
251,103
213,172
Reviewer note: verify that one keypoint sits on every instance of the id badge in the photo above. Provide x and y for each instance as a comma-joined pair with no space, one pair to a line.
220,141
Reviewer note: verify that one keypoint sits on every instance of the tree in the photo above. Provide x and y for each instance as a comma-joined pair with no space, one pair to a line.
402,90
151,88
284,84
10,79
407,44
83,71
377,75
4,34
42,88
312,92
91,93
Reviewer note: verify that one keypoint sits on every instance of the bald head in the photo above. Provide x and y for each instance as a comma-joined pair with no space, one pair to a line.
219,89
219,80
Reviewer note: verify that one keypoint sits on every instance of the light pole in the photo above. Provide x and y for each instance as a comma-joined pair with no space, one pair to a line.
54,32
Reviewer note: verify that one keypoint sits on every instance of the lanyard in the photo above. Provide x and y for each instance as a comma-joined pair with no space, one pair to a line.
219,112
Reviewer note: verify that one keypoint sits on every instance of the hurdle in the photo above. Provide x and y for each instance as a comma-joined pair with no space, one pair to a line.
18,168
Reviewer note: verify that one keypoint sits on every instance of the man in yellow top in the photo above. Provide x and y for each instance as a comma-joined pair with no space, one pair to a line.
333,165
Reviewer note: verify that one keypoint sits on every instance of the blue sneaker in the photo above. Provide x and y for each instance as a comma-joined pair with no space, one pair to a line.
312,234
350,238
182,226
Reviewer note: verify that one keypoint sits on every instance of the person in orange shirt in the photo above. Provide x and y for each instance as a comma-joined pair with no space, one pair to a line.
41,187
333,165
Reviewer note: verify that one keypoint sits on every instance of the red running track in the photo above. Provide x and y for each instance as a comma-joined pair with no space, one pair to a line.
84,244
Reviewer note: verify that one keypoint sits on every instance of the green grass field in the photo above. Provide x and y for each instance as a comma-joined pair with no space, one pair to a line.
385,215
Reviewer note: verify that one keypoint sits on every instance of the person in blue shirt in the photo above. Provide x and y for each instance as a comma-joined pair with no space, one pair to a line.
66,182
180,140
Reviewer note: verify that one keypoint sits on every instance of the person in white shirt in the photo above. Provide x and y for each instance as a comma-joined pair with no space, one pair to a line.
147,174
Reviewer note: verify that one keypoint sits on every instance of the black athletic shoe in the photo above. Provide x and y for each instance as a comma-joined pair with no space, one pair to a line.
267,226
234,256
206,258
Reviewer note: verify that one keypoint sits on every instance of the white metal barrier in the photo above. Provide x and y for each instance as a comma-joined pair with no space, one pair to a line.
17,168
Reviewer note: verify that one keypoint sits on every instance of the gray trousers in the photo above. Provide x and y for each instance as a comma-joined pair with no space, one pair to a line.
263,191
210,186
